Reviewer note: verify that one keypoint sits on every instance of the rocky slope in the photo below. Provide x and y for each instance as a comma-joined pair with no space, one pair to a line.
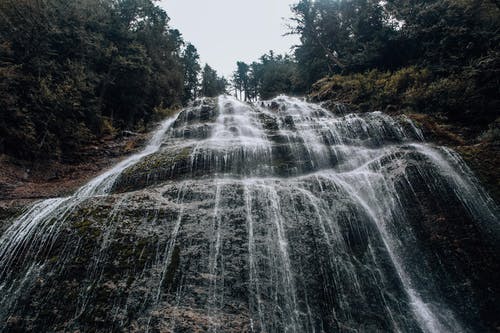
22,182
457,111
276,217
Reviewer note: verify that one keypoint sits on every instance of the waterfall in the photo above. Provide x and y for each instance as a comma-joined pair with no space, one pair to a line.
278,216
34,232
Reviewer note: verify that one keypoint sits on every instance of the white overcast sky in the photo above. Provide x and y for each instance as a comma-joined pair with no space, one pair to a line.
226,31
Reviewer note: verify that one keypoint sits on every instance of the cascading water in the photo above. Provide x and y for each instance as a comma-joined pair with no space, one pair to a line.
275,217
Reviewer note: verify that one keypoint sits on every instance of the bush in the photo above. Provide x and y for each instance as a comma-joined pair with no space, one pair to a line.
72,71
376,88
469,95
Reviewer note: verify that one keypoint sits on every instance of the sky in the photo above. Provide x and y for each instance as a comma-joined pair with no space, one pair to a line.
226,31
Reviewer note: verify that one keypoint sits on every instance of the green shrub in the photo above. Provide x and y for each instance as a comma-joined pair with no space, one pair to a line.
72,71
468,95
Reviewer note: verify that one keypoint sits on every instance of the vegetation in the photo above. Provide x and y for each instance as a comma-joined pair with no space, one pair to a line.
427,55
352,36
73,71
468,96
211,83
192,69
436,60
270,76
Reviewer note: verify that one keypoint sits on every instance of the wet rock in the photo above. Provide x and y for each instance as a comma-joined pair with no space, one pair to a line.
279,218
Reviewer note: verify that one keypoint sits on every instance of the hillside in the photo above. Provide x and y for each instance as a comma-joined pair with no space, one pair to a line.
351,184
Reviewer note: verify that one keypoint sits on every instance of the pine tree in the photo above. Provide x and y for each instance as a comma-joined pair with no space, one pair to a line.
190,59
211,84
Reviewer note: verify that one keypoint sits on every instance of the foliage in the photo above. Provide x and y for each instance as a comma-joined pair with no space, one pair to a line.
191,65
431,56
211,83
270,76
446,34
469,96
71,71
341,36
347,37
241,79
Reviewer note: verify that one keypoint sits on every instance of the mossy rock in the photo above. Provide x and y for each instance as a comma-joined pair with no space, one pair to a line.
155,168
484,160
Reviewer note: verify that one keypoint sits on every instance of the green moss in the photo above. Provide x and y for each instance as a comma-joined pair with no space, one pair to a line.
53,259
281,163
83,225
86,227
161,112
129,255
183,154
452,109
157,162
435,130
374,89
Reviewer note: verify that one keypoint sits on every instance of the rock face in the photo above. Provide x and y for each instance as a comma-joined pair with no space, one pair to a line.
241,218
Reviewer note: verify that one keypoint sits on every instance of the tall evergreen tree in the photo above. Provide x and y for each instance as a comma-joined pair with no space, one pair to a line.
70,70
341,36
241,79
211,84
190,59
446,33
270,76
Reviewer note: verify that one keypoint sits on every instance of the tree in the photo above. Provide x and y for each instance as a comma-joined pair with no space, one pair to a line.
241,79
255,80
446,33
190,59
70,70
270,76
211,84
341,36
349,36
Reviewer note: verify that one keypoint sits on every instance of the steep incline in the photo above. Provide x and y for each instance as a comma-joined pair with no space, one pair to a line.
276,217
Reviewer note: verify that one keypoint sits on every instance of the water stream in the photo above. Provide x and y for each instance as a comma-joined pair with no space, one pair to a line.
275,217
